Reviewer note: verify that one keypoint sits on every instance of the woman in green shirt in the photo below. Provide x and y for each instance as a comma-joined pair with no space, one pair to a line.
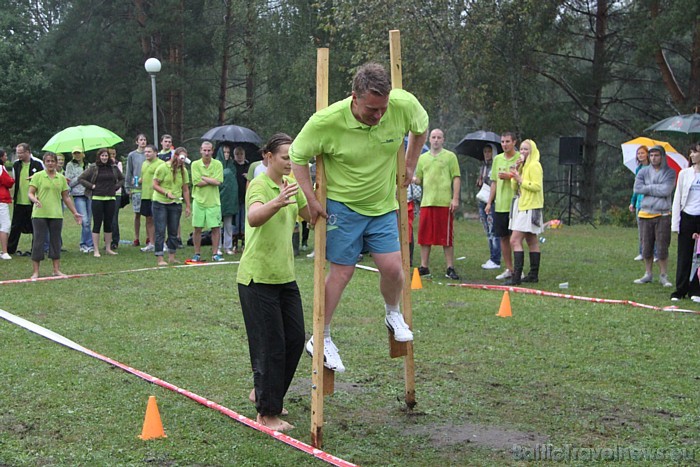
46,190
170,189
267,288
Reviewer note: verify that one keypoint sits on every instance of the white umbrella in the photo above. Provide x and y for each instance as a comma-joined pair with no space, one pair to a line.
629,153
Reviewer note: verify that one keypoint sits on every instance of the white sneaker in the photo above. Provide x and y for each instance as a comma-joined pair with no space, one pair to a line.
398,327
83,249
490,265
148,247
507,274
663,278
331,358
645,279
5,256
311,255
638,258
695,298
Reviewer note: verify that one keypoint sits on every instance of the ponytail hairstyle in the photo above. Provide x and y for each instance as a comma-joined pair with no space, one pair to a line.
274,143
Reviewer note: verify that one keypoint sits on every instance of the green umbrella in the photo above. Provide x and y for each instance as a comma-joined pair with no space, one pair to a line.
87,137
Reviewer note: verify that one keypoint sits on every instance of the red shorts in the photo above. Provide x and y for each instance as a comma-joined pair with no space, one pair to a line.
435,226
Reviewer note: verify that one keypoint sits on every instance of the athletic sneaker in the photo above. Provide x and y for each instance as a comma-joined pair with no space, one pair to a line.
451,274
507,274
148,247
490,265
663,278
638,258
83,248
645,279
331,358
219,253
423,271
5,256
217,258
230,252
197,257
311,255
90,249
398,327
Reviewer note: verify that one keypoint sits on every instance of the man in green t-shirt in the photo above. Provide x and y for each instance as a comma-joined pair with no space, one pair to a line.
148,170
207,175
358,138
438,172
503,196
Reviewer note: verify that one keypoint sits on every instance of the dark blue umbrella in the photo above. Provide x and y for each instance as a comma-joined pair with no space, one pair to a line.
233,134
473,144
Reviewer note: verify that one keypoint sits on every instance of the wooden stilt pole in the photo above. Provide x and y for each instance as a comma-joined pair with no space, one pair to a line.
322,379
396,347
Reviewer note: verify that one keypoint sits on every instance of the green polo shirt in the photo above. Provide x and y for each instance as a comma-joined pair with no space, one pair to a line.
504,189
23,193
206,196
268,257
48,191
164,175
148,169
436,174
360,160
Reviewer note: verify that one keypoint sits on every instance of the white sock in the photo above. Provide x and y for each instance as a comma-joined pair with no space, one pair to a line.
391,308
327,332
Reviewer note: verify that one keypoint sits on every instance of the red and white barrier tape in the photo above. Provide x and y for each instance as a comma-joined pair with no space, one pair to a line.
545,293
47,333
93,274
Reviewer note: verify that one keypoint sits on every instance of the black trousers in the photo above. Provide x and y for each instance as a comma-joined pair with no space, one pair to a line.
21,223
102,213
274,321
686,253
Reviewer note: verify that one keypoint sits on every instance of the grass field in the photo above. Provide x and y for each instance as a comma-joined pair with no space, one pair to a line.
585,380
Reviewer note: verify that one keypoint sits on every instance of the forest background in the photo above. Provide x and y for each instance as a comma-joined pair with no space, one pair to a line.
600,69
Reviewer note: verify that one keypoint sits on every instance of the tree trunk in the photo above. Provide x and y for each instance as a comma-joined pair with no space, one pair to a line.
598,80
249,58
226,53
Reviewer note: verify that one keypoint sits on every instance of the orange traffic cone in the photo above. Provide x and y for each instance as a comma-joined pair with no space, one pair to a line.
504,310
152,426
416,283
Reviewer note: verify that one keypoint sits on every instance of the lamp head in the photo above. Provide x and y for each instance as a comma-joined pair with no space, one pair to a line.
152,65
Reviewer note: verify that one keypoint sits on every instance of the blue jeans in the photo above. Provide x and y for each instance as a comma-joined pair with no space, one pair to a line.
494,242
166,216
83,205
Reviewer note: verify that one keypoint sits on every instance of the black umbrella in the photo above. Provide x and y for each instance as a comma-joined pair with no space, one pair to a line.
687,124
473,144
233,134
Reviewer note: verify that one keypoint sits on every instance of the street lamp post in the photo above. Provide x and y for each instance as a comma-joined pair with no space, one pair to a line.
152,66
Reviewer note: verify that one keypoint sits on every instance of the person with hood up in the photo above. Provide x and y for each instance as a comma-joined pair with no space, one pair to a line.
228,193
526,212
656,182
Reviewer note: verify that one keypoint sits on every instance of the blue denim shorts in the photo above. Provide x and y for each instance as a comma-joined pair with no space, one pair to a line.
350,233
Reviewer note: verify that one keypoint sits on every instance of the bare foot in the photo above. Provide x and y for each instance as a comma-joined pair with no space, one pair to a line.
59,274
34,276
174,261
274,423
97,254
251,397
112,252
162,263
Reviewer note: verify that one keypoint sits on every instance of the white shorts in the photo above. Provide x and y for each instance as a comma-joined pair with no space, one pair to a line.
5,221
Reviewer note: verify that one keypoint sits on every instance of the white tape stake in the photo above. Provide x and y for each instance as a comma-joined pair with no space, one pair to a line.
47,333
